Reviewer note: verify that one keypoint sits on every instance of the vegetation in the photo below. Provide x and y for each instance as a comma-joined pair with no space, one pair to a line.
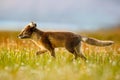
18,60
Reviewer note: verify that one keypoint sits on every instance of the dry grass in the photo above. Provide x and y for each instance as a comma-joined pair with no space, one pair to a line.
19,62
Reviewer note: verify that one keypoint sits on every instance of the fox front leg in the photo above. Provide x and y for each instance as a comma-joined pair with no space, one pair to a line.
41,52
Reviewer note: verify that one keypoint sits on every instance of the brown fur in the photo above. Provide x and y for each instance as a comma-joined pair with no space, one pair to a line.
48,41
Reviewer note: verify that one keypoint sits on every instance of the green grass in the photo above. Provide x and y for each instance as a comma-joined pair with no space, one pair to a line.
19,62
25,65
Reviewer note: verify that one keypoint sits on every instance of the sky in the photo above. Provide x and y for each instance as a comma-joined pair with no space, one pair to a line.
59,14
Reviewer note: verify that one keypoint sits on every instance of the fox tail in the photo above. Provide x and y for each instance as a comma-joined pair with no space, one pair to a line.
96,42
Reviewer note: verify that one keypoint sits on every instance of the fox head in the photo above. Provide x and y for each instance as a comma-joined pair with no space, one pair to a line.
27,31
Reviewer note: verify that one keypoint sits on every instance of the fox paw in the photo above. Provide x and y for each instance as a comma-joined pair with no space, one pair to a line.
40,52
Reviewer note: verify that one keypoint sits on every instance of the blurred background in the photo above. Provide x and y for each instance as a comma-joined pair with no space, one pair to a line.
71,15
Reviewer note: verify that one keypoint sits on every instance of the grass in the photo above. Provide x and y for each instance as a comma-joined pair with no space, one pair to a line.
19,62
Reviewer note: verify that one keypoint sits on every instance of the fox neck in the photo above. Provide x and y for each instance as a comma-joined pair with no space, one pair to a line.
36,35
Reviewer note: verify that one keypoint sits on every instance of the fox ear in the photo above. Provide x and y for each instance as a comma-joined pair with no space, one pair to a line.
33,25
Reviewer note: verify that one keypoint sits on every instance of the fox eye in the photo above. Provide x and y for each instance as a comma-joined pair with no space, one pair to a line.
31,29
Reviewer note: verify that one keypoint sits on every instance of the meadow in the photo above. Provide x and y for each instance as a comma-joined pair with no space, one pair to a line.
18,60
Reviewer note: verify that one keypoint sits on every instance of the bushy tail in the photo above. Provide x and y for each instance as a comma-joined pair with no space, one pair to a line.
96,42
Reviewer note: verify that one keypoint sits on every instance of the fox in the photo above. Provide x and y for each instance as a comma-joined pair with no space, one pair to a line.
48,41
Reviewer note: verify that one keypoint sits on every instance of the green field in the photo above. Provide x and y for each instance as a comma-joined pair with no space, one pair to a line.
18,60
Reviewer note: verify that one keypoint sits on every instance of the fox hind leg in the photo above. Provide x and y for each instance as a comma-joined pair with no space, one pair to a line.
72,50
78,51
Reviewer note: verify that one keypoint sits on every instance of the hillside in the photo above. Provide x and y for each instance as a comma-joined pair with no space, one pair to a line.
112,33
